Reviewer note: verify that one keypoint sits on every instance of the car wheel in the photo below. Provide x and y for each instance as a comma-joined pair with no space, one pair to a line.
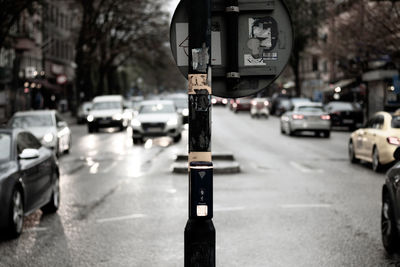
327,134
58,150
389,233
90,129
69,146
282,131
352,154
177,138
16,220
54,203
376,166
137,140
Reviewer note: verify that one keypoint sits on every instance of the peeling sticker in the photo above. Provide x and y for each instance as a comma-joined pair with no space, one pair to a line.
198,82
199,156
200,59
249,60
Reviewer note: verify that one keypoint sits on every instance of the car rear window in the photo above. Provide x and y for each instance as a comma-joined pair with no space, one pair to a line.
340,106
310,109
5,147
395,121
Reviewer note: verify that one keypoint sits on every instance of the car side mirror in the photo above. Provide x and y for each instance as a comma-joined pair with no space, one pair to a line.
396,153
29,153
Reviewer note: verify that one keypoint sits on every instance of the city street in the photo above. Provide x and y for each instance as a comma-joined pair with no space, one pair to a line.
298,201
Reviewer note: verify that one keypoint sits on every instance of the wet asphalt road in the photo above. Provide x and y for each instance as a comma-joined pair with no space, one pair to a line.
297,202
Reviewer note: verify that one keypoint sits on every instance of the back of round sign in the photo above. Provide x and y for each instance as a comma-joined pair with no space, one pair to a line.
264,48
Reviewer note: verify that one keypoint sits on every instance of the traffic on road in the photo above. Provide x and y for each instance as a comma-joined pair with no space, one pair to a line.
114,176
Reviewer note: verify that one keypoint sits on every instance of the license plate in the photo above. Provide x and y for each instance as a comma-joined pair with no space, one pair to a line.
347,121
104,121
154,129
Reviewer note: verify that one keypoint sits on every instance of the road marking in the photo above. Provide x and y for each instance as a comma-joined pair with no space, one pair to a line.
121,218
94,168
304,168
228,209
37,229
304,206
112,165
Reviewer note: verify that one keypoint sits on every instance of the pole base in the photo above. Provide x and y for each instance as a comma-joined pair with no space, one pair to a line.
199,243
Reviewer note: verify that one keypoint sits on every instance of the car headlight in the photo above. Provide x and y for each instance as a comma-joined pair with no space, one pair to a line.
90,118
185,112
136,123
117,117
48,138
172,122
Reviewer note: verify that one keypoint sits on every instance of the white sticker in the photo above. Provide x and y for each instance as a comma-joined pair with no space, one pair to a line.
202,210
249,60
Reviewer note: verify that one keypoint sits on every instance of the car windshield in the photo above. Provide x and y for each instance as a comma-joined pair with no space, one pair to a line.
340,106
107,105
26,121
5,147
157,108
310,109
395,121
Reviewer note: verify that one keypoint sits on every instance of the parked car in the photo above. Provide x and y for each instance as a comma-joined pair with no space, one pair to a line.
83,112
306,117
377,141
345,114
107,111
215,100
47,126
241,104
181,103
29,179
390,209
259,106
157,118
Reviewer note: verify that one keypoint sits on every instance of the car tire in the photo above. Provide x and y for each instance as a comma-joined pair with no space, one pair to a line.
282,131
54,203
90,129
137,140
376,166
57,149
327,134
16,220
390,238
177,138
69,146
352,154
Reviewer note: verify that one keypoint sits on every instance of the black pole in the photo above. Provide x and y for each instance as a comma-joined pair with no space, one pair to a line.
199,230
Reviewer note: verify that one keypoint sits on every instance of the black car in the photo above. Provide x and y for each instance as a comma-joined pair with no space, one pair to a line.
390,213
345,114
29,179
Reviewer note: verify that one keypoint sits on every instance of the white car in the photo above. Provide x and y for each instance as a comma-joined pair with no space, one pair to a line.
107,111
157,118
47,126
306,117
259,107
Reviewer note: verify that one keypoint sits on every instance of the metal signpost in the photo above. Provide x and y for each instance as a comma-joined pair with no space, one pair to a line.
242,46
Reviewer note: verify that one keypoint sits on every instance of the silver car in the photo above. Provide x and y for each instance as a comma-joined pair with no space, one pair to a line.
157,118
306,117
47,126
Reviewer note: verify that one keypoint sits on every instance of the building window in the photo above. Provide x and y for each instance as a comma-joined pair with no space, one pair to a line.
314,63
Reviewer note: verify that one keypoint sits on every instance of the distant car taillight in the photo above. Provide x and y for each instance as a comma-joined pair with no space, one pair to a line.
214,101
253,102
393,140
266,103
297,116
325,117
224,101
237,101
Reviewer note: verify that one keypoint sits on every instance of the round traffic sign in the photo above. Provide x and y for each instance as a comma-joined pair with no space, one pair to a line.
264,48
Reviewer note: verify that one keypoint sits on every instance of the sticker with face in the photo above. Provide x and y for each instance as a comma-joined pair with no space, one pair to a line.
265,31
